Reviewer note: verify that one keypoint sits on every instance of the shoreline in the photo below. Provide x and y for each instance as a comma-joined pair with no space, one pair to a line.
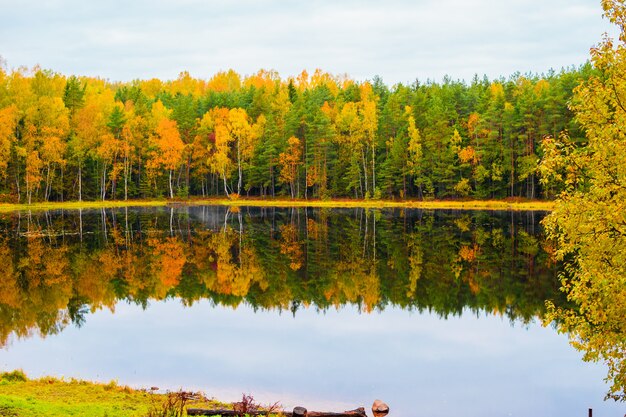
490,205
21,396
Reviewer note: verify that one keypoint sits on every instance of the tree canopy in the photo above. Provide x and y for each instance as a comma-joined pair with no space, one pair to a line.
310,136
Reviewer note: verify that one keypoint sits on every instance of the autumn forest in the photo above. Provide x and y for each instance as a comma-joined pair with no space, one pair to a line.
312,136
313,238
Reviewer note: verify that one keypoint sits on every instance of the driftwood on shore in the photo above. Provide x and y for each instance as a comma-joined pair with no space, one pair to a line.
298,412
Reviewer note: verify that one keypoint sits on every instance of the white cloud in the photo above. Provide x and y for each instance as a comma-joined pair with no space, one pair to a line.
399,40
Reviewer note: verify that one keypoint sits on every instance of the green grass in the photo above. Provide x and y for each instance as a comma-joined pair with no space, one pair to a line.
257,202
52,397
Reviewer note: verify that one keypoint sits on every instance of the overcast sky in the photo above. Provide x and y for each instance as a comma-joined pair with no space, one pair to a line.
400,40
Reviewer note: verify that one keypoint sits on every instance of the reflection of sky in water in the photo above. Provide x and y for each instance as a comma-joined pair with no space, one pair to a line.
419,364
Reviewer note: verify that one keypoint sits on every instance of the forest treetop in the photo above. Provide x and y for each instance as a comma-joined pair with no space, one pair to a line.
312,136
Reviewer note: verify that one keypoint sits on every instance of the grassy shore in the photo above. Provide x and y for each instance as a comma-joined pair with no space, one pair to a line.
53,397
523,205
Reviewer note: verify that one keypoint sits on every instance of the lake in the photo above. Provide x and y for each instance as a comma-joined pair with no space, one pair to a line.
436,313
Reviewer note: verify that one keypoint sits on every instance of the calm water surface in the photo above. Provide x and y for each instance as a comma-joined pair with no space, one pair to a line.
436,313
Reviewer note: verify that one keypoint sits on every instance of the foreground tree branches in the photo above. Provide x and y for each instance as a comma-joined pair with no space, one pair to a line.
589,223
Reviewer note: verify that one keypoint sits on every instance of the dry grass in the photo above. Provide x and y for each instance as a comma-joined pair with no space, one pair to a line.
524,205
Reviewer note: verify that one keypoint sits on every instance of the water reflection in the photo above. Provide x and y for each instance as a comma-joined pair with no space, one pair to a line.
58,266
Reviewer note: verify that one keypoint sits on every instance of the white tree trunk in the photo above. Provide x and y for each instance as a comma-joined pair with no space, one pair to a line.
80,182
171,191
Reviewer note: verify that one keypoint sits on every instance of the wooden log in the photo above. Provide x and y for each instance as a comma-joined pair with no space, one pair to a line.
218,412
359,412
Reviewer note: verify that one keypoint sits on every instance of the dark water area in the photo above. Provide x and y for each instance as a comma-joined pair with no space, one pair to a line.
435,312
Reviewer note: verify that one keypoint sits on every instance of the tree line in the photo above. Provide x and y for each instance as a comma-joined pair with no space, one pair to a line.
310,136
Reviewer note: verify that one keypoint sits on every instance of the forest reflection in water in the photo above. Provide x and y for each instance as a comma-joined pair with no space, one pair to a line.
58,266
